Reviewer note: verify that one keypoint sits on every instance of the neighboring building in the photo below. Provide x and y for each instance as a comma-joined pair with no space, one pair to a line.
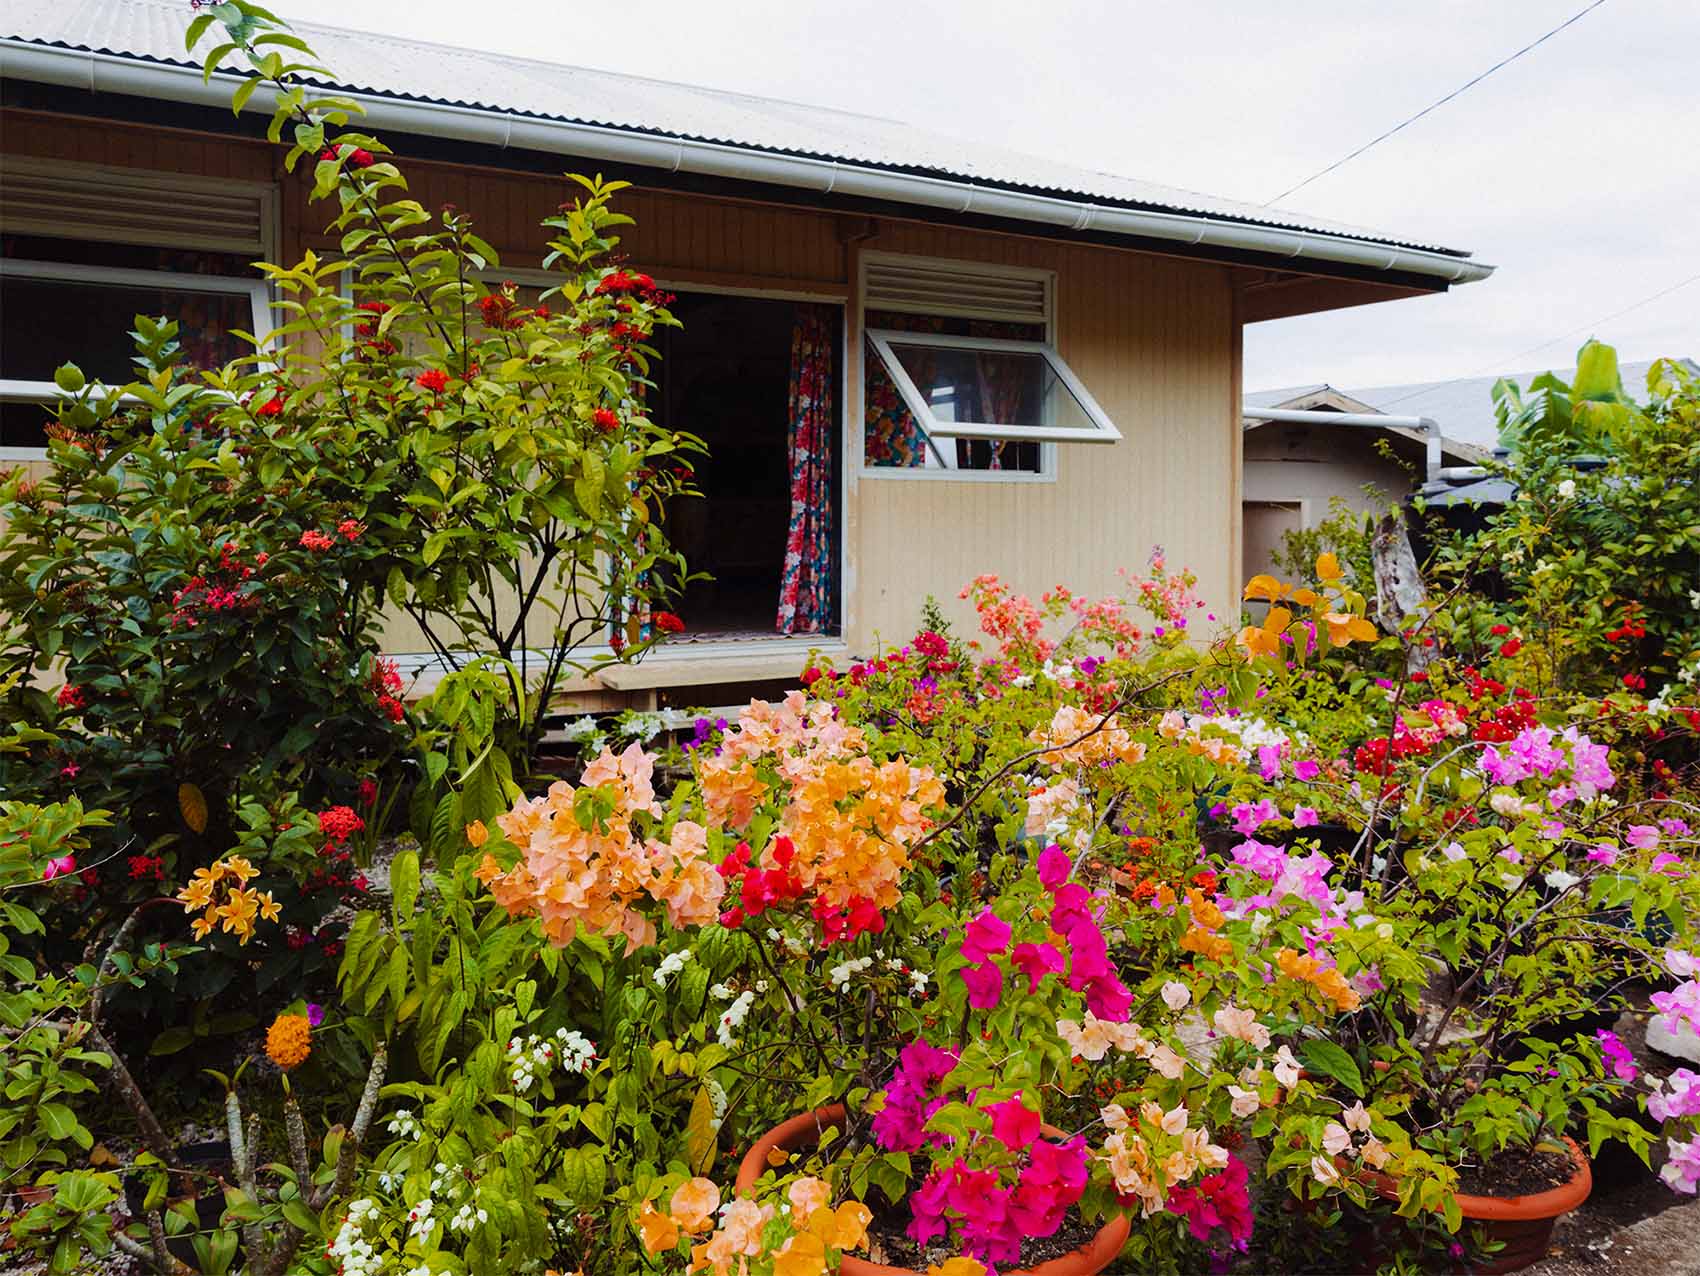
1034,369
1296,472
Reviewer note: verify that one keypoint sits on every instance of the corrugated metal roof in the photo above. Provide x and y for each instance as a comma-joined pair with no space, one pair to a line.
1463,407
153,30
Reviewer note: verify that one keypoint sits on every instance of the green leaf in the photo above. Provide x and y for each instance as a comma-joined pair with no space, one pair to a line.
1331,1060
404,885
171,1041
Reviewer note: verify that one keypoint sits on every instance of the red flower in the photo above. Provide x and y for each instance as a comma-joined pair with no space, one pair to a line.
606,420
433,379
361,158
349,529
1499,631
1634,681
340,823
271,407
1511,646
315,540
668,623
811,675
72,697
367,793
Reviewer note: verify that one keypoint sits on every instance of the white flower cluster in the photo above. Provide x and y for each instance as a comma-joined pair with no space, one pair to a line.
841,974
467,1217
419,1220
404,1125
581,730
352,1253
734,1018
573,1051
670,965
716,1100
794,945
917,978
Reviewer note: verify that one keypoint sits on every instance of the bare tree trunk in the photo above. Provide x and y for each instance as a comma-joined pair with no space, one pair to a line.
1400,599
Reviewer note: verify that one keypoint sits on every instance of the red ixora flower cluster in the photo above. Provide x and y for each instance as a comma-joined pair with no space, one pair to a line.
147,868
501,310
1630,628
337,824
667,622
384,682
271,407
434,380
221,588
349,529
605,419
619,283
72,697
372,345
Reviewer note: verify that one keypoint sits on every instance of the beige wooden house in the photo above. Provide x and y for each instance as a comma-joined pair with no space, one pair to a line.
1059,348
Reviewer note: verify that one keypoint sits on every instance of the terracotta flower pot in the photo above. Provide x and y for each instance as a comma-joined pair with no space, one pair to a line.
1522,1224
804,1131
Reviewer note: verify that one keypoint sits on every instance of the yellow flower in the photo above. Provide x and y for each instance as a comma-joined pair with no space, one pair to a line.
289,1041
198,894
957,1267
1265,639
659,1231
802,1255
239,868
477,834
238,913
849,1225
201,927
1328,567
269,907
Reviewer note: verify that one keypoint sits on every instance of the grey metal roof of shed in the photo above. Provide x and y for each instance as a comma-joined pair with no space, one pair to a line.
410,70
1462,407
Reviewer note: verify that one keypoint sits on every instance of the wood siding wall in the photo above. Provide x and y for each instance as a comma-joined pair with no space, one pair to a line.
1155,339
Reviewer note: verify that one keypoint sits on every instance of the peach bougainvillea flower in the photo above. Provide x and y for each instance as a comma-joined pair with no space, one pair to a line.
694,1203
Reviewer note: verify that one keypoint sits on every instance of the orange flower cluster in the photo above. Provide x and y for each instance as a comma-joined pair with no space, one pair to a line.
592,878
1327,981
852,824
820,1228
1106,740
289,1041
229,902
1201,937
850,820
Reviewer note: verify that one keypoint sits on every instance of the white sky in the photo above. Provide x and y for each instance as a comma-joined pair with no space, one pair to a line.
1575,170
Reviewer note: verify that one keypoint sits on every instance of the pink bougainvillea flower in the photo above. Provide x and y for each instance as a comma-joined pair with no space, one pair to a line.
985,985
1014,1124
1618,1055
1036,961
1665,862
1304,817
1643,837
1604,854
56,867
985,935
1307,769
1054,867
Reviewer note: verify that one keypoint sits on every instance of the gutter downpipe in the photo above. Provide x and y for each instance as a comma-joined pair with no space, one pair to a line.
104,72
1428,427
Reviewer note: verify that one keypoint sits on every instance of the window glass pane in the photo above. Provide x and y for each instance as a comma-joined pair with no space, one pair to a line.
892,438
47,322
991,387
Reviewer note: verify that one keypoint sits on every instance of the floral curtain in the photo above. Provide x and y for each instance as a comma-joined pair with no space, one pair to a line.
806,592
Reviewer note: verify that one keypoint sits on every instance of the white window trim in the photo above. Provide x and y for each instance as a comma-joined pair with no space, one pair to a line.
17,391
1104,431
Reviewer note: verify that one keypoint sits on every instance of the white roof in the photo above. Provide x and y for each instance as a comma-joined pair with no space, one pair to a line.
412,70
1463,407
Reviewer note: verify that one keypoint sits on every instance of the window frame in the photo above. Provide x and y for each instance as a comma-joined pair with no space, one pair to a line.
14,390
1104,431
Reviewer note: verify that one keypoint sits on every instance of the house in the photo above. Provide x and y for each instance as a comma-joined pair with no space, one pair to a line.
1029,368
1299,469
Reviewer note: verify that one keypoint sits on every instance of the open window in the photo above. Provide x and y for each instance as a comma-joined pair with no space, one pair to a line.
961,378
83,250
971,387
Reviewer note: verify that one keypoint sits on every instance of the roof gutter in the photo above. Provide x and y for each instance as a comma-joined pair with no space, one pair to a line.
1425,426
109,73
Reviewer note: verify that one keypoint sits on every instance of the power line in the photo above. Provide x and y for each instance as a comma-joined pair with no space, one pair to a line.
1502,365
1503,62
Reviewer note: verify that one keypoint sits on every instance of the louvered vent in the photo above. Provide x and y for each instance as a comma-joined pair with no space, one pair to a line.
121,206
953,288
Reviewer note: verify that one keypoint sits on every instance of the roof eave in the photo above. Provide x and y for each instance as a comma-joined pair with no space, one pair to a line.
111,73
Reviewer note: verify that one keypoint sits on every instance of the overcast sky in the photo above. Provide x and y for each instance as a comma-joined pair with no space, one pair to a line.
1575,170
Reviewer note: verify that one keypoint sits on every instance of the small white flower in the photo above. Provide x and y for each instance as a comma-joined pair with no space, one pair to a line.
1567,489
1560,880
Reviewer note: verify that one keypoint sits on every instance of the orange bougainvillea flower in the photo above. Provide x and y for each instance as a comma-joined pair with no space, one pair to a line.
1328,567
1344,628
693,1204
477,834
962,1266
658,1230
289,1041
1266,588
